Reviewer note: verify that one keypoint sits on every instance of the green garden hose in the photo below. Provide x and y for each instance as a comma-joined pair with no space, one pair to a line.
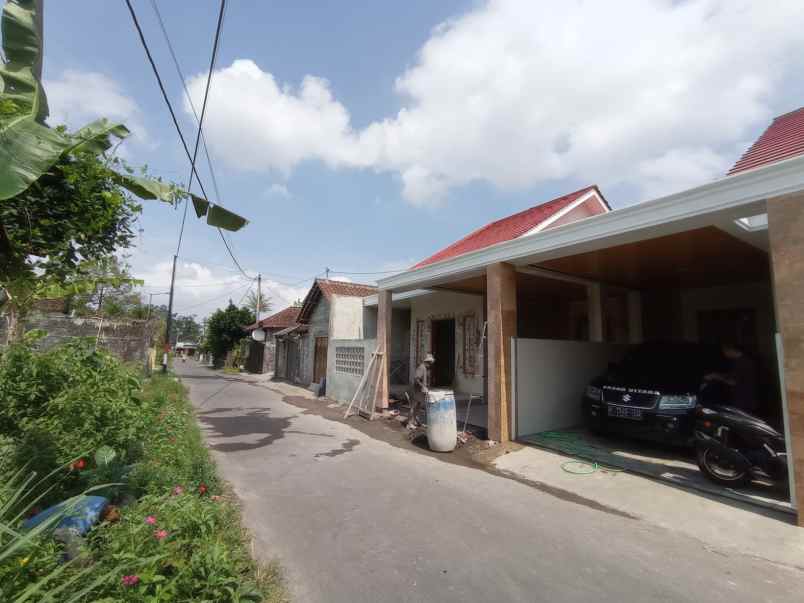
573,444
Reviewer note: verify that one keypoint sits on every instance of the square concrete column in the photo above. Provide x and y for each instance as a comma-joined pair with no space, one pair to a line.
501,316
785,228
635,334
384,347
594,297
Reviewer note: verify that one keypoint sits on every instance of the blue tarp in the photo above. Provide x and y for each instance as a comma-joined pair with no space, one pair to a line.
80,515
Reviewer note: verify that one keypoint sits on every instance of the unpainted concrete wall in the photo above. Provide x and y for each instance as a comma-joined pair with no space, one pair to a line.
443,305
346,318
551,376
319,326
342,386
126,339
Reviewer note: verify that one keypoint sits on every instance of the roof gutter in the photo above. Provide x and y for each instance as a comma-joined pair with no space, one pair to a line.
672,213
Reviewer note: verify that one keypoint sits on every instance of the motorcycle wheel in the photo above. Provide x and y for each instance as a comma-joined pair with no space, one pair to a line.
717,471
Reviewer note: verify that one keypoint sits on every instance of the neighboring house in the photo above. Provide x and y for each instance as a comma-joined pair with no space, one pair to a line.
719,262
332,310
262,353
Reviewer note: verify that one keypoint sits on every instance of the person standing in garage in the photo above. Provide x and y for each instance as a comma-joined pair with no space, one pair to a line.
740,380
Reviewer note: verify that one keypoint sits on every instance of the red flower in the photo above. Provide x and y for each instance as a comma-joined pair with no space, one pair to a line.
202,489
131,580
78,465
160,535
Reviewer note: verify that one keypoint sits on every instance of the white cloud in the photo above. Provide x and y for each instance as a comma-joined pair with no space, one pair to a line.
650,94
278,190
78,97
201,289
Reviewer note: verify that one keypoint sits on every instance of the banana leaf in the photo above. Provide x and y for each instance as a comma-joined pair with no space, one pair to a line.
223,218
200,205
28,148
148,188
96,136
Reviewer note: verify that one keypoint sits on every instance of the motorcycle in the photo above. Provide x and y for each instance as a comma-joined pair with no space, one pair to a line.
734,447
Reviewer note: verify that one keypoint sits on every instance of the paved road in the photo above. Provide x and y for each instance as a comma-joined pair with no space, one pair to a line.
355,519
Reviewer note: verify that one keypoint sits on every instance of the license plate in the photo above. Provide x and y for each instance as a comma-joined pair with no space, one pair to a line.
625,412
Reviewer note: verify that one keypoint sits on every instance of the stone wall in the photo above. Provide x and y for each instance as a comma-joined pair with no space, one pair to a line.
126,339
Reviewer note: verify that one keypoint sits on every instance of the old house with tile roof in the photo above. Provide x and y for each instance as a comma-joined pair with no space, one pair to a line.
262,351
331,310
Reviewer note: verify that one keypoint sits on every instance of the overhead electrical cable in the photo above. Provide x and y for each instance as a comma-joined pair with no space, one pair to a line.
189,98
212,60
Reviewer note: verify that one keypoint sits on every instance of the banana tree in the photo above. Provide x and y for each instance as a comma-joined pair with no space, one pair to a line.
29,148
37,163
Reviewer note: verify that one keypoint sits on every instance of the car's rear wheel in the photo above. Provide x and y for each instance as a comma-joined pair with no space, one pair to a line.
720,470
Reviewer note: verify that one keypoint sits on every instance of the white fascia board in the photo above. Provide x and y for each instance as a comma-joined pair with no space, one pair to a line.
374,300
560,214
745,191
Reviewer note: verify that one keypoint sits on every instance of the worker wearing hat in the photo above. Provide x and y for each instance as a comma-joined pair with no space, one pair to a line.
422,386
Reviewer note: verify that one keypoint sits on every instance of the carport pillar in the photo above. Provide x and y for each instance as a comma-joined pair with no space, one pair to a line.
785,225
501,327
594,297
384,347
635,333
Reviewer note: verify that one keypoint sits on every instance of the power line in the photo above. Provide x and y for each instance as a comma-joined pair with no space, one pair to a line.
212,60
164,93
366,273
234,259
187,95
217,297
218,34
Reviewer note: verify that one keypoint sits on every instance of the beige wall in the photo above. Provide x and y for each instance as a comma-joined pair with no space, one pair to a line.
445,305
346,318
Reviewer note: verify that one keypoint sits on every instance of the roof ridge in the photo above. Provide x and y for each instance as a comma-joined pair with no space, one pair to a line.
442,253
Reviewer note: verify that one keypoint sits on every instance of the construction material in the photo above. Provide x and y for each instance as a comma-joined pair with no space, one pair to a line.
442,424
363,401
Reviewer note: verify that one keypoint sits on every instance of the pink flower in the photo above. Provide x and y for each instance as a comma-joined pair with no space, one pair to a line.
178,490
150,520
131,580
160,535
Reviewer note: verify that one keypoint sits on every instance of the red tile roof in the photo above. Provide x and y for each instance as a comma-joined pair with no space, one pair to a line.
508,228
783,139
330,288
281,320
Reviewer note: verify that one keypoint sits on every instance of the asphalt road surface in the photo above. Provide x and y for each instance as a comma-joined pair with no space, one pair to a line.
353,519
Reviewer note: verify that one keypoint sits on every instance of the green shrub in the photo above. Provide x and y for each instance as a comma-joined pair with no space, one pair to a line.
142,432
173,451
67,402
195,547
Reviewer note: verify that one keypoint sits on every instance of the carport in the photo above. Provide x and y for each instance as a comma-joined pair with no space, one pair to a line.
723,261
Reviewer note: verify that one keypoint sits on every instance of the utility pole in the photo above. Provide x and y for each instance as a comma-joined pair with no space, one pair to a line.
326,273
169,321
259,297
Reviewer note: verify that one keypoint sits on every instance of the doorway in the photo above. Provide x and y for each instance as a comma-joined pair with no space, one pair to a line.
320,364
443,343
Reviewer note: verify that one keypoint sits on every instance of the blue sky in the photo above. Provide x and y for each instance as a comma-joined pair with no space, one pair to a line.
365,136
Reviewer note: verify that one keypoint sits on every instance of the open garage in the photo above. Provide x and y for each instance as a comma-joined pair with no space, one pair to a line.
718,264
